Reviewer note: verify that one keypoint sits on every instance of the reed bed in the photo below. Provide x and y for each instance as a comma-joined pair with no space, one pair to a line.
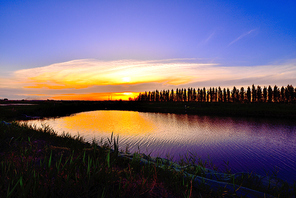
36,162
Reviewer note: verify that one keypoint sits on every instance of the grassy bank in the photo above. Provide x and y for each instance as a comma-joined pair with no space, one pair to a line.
38,163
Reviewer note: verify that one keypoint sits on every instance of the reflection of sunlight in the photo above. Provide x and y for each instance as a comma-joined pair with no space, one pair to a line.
119,122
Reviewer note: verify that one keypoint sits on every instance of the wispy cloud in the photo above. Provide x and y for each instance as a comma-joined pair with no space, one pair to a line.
209,37
241,36
80,74
89,78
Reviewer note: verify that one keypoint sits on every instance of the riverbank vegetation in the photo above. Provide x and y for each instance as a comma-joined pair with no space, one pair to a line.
39,163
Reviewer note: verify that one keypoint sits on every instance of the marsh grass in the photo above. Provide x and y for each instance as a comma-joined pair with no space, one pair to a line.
36,162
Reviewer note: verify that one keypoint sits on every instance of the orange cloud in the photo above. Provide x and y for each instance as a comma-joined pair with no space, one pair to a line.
97,96
94,80
81,74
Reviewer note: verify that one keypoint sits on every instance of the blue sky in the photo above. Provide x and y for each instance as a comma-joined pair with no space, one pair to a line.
244,36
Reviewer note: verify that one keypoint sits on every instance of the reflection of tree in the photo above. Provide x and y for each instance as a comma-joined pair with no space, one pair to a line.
214,94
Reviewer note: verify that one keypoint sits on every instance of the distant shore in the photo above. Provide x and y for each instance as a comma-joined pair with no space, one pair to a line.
22,110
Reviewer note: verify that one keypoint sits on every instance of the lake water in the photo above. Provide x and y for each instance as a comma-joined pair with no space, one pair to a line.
249,145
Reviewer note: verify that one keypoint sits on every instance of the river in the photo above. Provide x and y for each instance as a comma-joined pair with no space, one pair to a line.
262,146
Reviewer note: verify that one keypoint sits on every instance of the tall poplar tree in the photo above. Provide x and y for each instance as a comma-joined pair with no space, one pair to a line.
249,94
242,94
269,94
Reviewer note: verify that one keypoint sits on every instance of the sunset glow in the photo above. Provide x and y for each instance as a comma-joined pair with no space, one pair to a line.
97,96
125,79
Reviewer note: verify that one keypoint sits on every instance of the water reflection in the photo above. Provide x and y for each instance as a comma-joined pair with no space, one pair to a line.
119,122
248,144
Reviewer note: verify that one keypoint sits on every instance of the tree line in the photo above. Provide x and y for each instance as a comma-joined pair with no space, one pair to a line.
214,94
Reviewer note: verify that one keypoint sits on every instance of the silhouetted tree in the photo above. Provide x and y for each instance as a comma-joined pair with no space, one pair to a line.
259,94
224,95
249,94
254,93
291,96
208,95
269,94
219,94
282,94
172,95
233,94
265,94
189,94
285,94
184,95
242,94
228,95
204,94
275,94
194,95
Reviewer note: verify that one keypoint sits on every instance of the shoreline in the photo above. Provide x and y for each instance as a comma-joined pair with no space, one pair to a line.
42,109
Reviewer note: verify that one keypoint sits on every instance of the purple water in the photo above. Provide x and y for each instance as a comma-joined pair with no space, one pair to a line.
262,146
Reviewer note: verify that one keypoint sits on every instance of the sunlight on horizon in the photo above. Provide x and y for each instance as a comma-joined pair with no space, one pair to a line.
89,79
97,96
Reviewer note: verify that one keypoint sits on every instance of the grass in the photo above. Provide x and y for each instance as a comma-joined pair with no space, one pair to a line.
39,163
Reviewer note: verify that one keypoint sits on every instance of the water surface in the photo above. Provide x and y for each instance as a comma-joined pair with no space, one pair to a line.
258,145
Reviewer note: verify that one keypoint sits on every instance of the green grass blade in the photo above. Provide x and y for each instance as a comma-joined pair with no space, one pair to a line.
10,193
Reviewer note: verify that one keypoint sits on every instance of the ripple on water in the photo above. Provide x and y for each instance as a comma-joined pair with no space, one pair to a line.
248,144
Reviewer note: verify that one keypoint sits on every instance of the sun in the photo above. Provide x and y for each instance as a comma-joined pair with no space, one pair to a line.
126,79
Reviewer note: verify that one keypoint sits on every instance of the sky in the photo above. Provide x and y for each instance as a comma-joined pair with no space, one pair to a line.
99,50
